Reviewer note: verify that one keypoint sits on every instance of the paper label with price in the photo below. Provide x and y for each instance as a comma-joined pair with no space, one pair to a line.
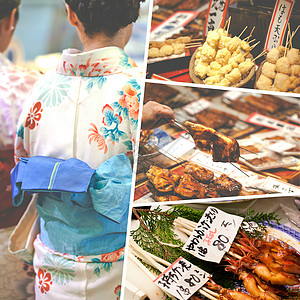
280,186
177,148
182,279
262,120
281,146
196,106
172,25
216,15
213,235
278,24
206,161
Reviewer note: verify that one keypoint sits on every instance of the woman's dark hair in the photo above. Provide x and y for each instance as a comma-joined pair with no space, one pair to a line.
7,6
107,16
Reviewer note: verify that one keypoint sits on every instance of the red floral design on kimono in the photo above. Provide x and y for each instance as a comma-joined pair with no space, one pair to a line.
112,256
44,281
130,100
118,291
34,115
97,137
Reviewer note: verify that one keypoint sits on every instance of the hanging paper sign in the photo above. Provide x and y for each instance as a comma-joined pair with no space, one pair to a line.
265,121
196,106
279,21
182,279
213,235
280,186
216,15
172,25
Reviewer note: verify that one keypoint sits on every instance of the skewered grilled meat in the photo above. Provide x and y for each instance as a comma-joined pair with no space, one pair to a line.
211,193
161,179
199,173
190,188
225,149
226,186
246,108
202,144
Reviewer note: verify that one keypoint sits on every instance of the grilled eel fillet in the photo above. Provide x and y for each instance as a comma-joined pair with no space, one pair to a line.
199,173
224,148
188,187
226,186
162,179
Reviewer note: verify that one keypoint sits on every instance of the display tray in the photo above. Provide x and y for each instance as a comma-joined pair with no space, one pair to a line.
167,65
266,161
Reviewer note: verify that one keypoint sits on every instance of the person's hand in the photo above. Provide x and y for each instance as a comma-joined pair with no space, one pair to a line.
155,115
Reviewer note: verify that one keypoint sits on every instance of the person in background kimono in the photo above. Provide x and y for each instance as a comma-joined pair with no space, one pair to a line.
16,278
87,109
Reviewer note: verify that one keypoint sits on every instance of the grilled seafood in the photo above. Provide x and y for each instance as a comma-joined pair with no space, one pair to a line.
224,149
225,185
161,179
190,188
199,173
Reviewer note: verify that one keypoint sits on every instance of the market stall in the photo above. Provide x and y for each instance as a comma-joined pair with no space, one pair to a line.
250,147
242,50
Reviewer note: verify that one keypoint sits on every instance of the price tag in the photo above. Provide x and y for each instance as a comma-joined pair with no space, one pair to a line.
279,21
262,120
182,279
205,160
177,148
216,15
280,186
232,95
172,25
196,106
281,146
213,235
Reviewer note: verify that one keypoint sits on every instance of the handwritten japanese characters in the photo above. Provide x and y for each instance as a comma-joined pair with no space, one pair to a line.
182,279
216,15
280,186
262,120
213,235
280,18
172,25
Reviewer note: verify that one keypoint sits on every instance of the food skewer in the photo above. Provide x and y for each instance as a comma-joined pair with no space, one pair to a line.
243,31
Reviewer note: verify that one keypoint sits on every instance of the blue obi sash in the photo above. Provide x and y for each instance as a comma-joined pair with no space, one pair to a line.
83,211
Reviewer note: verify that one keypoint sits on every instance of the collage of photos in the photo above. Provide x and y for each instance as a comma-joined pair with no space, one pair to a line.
149,149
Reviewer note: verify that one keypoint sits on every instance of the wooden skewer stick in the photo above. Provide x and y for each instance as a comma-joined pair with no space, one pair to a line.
229,20
252,41
253,46
243,31
286,42
294,32
192,40
260,55
249,36
191,46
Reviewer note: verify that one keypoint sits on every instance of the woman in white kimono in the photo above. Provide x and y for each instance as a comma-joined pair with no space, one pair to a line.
88,109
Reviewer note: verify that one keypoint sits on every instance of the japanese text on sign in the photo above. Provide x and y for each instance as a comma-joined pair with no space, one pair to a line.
196,106
262,120
173,24
280,186
216,15
213,235
280,18
182,279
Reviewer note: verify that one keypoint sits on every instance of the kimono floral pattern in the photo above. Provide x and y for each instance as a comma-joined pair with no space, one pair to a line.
118,291
52,90
128,104
45,281
34,115
62,270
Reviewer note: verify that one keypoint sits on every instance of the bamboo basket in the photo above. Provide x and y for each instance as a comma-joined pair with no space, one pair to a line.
241,83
